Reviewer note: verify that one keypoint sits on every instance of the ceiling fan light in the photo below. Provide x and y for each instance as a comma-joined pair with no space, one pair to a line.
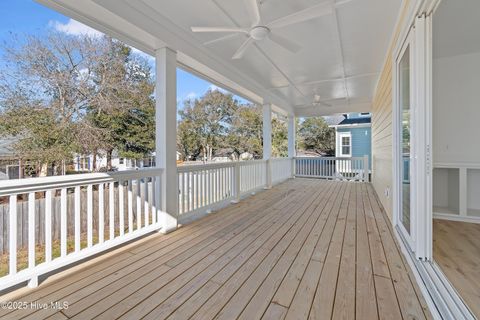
259,32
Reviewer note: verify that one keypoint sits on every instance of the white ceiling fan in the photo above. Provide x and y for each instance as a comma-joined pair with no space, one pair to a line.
260,30
316,102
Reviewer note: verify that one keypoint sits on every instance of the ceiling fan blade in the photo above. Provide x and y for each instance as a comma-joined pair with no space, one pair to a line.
324,104
218,29
284,42
241,51
253,11
303,15
314,104
229,36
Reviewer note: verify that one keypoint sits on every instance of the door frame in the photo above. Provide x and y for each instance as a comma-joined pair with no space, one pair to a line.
408,43
418,40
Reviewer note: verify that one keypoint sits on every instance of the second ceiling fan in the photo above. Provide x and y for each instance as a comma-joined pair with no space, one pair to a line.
260,30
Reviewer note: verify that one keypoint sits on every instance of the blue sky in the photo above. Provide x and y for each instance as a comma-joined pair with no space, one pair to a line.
28,17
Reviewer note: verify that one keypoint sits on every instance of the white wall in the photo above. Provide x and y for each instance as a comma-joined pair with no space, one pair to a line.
456,108
456,118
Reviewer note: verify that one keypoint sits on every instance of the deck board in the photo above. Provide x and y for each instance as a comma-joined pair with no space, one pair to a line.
304,249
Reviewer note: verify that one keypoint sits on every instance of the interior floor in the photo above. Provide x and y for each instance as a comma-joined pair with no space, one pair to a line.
456,249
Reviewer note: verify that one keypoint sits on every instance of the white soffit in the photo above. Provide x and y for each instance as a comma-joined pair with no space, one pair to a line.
340,59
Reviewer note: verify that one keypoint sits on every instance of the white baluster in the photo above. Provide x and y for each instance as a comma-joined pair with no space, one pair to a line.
12,246
48,225
121,208
145,201
101,213
130,205
89,215
111,205
139,205
31,230
77,218
63,222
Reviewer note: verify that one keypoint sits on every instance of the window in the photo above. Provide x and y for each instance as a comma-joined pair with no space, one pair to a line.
345,144
121,161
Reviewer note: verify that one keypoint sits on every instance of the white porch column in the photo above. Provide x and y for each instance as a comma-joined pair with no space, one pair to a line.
267,140
166,134
291,141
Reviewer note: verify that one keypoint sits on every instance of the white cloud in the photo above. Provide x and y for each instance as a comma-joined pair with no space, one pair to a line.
191,96
74,28
213,87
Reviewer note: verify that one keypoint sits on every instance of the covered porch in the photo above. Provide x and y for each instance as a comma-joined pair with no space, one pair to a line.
306,248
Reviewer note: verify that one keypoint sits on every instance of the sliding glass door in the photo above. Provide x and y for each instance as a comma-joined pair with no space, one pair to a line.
404,141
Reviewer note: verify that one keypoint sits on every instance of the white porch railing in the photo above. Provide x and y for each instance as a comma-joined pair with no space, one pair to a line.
205,187
282,169
351,169
69,218
252,176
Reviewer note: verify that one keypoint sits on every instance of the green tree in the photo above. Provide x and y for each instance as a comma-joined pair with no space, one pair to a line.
245,134
209,119
45,88
315,135
63,94
279,138
123,108
188,140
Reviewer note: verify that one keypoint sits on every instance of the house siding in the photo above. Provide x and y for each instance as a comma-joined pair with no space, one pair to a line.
382,137
361,142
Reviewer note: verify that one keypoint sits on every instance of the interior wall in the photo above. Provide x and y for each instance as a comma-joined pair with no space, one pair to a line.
456,111
382,138
456,108
456,99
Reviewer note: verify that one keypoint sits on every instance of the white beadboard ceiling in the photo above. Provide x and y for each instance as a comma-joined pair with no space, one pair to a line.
341,54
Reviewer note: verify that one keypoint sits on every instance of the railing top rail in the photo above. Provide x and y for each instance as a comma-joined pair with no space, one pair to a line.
198,167
58,182
328,158
281,159
207,166
251,162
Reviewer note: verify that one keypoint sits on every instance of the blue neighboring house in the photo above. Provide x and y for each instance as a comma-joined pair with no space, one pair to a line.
353,135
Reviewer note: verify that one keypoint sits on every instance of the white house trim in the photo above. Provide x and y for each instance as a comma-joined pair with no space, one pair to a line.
339,144
353,125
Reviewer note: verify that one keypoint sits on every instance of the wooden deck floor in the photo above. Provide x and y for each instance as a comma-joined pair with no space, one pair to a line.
304,249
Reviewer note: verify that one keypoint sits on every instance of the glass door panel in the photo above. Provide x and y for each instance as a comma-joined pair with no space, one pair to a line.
405,130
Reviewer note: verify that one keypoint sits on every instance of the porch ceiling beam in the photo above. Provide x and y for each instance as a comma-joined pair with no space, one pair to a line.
321,81
316,111
292,84
338,43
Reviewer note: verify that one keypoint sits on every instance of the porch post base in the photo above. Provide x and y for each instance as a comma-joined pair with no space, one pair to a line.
167,230
33,282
